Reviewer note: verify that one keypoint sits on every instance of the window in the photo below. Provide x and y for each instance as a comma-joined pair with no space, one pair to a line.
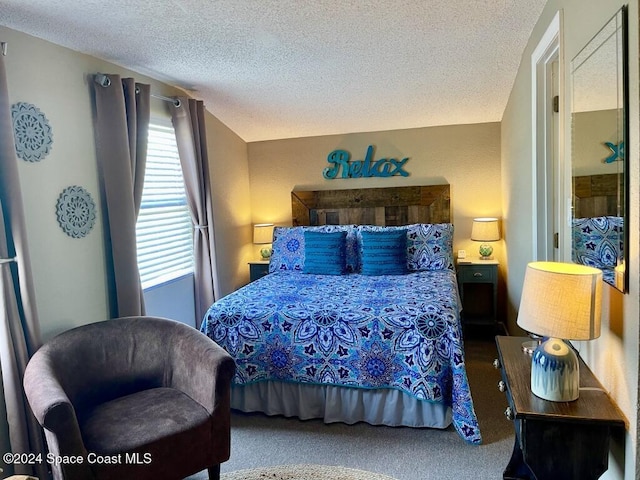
164,230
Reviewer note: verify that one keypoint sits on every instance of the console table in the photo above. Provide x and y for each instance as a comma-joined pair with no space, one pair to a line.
567,440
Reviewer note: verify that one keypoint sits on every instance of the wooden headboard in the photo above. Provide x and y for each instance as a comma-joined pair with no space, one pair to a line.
597,195
372,206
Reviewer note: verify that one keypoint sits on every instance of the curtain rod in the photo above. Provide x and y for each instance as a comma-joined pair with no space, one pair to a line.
176,101
104,81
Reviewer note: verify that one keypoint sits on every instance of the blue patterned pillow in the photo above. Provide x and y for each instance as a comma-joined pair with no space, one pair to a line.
384,252
324,253
597,241
430,246
289,249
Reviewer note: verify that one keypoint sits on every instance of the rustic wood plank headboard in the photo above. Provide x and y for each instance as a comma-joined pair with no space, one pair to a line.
597,195
372,206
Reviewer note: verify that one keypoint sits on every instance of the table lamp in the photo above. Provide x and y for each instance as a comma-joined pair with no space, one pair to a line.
560,301
263,235
485,230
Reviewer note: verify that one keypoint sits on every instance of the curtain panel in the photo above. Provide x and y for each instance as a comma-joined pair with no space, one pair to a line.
189,124
19,325
122,111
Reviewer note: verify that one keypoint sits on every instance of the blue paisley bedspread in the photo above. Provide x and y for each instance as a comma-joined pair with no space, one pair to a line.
390,331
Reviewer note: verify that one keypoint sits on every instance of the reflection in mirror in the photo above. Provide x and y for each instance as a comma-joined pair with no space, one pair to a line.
598,137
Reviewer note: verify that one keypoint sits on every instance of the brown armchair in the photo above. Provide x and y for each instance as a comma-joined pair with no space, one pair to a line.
135,397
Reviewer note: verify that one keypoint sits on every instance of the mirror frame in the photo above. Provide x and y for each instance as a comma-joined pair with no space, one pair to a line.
624,133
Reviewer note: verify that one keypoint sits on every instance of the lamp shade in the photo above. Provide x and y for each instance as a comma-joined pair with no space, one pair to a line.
485,230
561,300
263,233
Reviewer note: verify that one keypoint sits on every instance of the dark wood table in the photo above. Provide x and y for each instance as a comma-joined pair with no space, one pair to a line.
555,440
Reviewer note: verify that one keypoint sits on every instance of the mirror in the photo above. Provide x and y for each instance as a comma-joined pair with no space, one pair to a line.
599,132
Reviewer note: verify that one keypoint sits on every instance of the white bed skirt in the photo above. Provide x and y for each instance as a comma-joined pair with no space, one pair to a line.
339,404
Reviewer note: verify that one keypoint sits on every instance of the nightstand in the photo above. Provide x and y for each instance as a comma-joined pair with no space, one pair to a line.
478,287
258,269
555,440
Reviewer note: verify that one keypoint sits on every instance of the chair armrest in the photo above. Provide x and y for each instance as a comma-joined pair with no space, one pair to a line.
200,368
51,406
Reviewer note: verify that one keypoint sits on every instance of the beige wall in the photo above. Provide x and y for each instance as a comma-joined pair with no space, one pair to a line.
229,171
614,356
465,156
69,274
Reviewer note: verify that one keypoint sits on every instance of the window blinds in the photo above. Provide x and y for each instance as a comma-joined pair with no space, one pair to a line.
164,230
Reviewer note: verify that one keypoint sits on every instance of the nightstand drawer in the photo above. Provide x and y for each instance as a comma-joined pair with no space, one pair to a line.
477,273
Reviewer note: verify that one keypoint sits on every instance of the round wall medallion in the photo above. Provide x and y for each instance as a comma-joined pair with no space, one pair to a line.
32,132
76,211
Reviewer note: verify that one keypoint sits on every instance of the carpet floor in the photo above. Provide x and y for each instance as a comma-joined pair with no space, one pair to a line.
402,453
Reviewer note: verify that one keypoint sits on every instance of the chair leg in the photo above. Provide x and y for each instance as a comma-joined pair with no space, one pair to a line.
214,472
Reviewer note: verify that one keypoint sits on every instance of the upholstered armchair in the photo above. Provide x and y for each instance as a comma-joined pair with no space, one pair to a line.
135,397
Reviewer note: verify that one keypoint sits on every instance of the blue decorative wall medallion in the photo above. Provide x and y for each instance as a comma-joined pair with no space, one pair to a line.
76,211
32,132
384,167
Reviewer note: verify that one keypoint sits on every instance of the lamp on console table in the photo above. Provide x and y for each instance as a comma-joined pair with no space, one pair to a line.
485,230
561,301
263,235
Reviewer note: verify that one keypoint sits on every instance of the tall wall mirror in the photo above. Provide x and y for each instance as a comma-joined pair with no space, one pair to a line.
599,132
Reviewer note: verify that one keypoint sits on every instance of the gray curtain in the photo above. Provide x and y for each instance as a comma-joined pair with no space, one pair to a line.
189,124
121,120
19,326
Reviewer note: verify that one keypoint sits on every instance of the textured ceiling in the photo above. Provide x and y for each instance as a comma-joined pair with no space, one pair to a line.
274,69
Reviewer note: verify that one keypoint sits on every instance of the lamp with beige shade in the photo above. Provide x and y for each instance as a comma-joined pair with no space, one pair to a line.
485,230
561,301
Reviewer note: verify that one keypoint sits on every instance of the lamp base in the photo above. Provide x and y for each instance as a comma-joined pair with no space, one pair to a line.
485,252
265,253
530,346
555,374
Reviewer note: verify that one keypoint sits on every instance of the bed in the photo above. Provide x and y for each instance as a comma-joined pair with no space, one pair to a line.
355,322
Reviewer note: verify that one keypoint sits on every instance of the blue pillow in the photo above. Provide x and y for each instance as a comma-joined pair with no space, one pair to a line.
288,247
384,252
430,246
324,253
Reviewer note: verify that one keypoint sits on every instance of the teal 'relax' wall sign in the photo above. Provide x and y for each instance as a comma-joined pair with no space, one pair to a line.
384,167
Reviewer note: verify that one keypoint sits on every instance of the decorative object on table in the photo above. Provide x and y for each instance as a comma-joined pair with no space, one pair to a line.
561,301
32,132
76,211
485,230
263,235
